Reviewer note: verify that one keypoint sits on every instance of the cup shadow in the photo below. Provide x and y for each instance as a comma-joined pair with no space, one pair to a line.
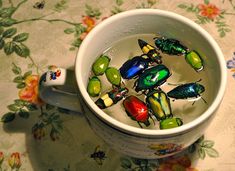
78,148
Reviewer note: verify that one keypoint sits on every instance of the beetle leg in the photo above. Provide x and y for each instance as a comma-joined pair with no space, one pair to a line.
139,124
123,83
144,56
135,83
174,84
135,77
139,94
152,118
193,102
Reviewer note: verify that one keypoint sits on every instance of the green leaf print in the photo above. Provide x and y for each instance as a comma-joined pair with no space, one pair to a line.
125,163
60,6
92,12
22,50
15,69
119,2
9,48
207,144
7,12
21,37
201,153
28,73
21,85
2,43
69,30
204,147
13,107
203,16
207,1
23,113
211,152
18,79
7,22
8,117
9,32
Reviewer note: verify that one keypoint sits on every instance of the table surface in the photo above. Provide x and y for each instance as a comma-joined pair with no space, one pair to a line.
39,34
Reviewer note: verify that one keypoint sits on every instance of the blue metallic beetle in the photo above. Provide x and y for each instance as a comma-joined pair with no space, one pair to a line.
134,67
185,91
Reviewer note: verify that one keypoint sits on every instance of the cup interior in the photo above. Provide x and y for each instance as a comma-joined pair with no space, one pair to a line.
156,22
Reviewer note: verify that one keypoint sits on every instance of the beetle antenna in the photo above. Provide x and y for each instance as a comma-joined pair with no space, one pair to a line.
157,36
198,80
204,100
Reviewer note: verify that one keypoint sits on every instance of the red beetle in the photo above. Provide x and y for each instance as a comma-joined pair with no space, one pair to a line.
136,110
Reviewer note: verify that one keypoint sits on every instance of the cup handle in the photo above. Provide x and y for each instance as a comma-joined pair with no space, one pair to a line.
58,87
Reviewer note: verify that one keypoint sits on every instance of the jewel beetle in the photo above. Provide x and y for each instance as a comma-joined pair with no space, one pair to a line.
188,90
150,51
113,75
158,104
137,110
94,86
152,77
100,65
133,67
170,123
194,60
112,97
170,46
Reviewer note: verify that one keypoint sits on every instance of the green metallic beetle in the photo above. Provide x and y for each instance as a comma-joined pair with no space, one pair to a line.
194,60
94,86
100,65
152,77
159,104
170,123
113,75
170,46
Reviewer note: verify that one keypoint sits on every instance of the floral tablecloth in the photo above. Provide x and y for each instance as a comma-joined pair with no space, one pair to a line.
39,34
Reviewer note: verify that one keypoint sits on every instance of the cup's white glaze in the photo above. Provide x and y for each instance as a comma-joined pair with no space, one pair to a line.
137,142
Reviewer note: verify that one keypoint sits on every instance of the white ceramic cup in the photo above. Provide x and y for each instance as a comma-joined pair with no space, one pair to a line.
134,141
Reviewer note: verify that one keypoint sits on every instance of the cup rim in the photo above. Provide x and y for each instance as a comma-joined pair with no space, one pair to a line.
151,132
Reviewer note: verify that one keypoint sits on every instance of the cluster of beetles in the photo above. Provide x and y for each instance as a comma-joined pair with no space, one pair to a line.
149,74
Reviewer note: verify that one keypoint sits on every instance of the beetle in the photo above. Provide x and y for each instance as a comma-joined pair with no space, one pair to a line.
194,60
170,123
170,46
137,110
113,75
94,86
39,5
159,104
133,67
112,97
152,77
98,155
150,51
100,65
188,90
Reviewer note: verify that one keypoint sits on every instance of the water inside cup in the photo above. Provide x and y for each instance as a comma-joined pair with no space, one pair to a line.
187,109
